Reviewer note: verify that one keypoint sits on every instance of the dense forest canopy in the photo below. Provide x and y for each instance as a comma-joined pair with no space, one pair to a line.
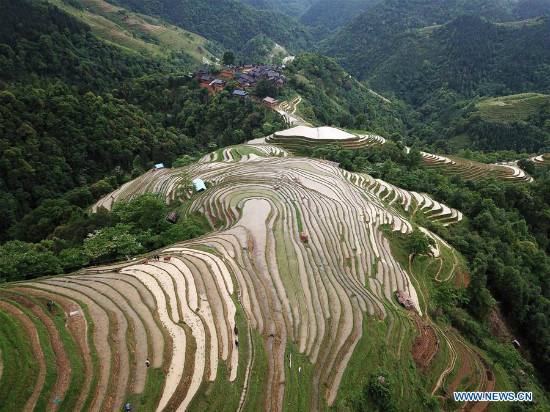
441,58
324,16
229,22
294,8
456,35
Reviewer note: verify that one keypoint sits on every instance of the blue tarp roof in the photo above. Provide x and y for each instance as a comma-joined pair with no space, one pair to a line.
159,165
199,185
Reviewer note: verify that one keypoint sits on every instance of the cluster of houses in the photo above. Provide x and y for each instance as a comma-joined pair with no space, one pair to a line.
247,77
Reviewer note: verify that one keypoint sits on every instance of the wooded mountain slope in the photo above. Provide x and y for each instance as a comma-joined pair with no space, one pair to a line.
229,22
468,53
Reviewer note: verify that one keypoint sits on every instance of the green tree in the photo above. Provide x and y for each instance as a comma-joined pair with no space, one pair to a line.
228,57
145,212
101,188
265,88
72,258
481,301
380,392
528,165
418,243
25,259
112,242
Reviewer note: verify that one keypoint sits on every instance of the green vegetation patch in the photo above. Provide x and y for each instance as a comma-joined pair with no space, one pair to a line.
509,109
20,369
134,31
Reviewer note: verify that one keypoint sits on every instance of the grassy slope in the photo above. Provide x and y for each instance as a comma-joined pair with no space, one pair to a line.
508,109
135,31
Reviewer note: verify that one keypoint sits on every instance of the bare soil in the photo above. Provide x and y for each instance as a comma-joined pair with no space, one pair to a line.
426,344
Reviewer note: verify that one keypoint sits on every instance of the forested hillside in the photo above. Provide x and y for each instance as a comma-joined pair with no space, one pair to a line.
138,32
520,123
469,56
41,45
438,56
332,97
324,16
294,8
383,38
229,22
78,112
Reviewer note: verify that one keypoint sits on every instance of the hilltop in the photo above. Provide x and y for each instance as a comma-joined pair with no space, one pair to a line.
289,303
301,312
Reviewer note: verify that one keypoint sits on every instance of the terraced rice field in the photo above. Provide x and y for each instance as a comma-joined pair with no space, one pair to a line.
307,137
541,160
471,170
447,165
238,310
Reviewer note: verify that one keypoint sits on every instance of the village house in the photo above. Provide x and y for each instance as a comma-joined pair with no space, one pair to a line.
205,80
247,78
404,299
228,71
217,85
269,102
172,217
240,94
245,81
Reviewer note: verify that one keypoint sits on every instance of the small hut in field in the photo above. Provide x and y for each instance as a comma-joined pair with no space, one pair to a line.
304,237
404,299
199,185
172,217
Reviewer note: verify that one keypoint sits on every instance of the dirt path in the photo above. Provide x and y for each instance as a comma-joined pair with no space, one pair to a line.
419,289
78,328
426,344
467,364
32,334
467,368
451,366
452,350
489,387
